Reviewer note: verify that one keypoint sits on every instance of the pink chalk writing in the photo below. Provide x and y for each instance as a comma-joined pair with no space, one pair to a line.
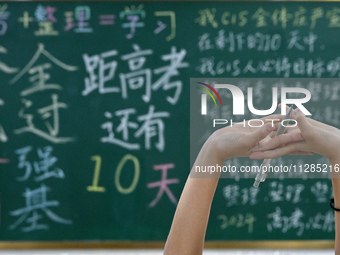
106,20
4,160
163,184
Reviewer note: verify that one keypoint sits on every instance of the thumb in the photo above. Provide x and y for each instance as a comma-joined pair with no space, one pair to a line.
305,127
259,134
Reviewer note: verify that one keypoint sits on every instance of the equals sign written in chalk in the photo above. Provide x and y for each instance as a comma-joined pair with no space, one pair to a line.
107,19
4,160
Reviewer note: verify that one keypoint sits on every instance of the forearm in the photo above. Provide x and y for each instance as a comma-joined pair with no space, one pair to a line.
189,225
335,163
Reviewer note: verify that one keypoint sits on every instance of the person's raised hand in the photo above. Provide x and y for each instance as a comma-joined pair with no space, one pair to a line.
309,136
242,139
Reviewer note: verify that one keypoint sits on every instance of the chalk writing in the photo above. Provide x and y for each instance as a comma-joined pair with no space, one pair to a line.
160,27
78,20
296,41
3,19
235,195
36,201
176,62
4,160
172,16
285,223
258,41
41,77
97,62
334,17
26,19
136,175
83,15
137,77
260,17
102,68
234,18
69,20
321,191
3,136
300,18
94,187
298,223
133,15
107,19
121,166
207,16
52,128
237,221
151,126
281,66
5,68
44,168
280,17
129,94
46,20
163,184
290,193
38,80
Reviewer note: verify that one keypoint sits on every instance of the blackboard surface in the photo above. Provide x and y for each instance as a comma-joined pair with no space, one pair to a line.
94,115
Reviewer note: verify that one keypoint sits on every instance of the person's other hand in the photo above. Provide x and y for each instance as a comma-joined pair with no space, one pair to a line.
314,137
241,140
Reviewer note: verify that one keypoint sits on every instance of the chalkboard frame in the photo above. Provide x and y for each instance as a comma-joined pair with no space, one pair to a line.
287,244
160,245
170,1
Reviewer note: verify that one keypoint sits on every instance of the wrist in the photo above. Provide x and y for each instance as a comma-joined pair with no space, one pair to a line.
335,174
217,148
334,157
207,158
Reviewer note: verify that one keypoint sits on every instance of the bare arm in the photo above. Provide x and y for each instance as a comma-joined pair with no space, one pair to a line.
189,225
335,163
319,138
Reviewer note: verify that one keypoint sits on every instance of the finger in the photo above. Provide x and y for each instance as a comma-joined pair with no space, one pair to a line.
280,106
323,125
279,141
272,134
277,152
277,125
274,117
301,153
292,128
289,128
306,128
254,137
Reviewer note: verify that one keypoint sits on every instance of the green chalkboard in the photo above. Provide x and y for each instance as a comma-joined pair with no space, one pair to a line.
94,115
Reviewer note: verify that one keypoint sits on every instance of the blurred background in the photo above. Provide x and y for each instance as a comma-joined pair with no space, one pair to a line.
95,121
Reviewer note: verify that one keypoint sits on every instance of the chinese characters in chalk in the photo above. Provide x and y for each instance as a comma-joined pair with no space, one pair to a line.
37,207
150,125
102,70
43,120
261,17
39,165
46,20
